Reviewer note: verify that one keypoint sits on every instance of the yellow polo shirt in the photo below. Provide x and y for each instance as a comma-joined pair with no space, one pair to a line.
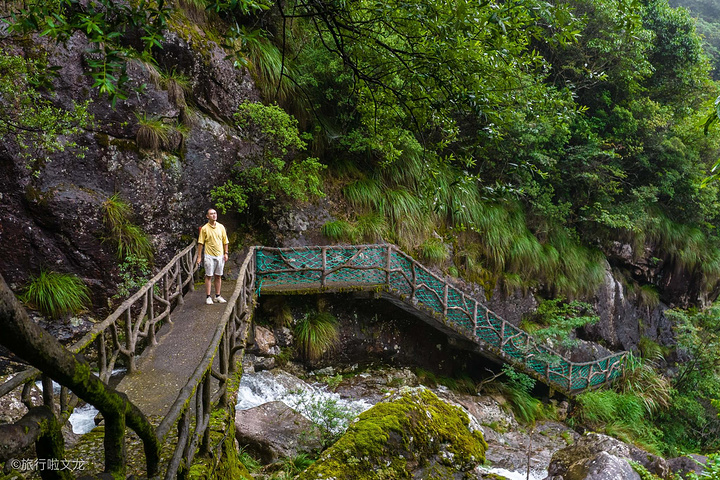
213,238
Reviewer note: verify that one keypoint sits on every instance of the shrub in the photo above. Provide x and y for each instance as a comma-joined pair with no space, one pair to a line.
315,334
330,418
557,318
56,294
280,174
134,272
516,388
622,415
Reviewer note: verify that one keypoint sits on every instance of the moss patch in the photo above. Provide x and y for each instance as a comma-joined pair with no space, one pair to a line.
414,432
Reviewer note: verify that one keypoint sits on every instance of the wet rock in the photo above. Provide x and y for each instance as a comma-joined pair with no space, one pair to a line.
283,336
603,466
264,341
579,456
273,431
253,363
686,464
263,363
508,441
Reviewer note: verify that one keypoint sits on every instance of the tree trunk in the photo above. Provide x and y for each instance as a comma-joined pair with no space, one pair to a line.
39,348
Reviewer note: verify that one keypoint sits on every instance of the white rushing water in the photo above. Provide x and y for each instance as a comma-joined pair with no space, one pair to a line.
262,387
82,419
518,475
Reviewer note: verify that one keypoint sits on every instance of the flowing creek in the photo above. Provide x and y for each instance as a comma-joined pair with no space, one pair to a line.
258,388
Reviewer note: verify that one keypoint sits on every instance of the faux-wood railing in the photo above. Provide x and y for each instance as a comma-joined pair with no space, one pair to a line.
386,268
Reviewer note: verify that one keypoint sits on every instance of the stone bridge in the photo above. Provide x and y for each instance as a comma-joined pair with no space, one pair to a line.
184,376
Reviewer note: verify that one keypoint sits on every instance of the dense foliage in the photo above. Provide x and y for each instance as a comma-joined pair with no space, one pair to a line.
512,143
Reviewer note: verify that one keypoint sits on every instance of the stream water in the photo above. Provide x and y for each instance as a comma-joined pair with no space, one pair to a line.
82,419
262,387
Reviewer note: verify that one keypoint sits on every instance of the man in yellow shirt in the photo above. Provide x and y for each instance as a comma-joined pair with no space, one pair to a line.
214,238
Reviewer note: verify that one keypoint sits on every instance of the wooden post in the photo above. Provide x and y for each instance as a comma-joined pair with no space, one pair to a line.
129,342
181,300
205,420
475,323
445,301
191,263
414,282
323,275
151,316
387,265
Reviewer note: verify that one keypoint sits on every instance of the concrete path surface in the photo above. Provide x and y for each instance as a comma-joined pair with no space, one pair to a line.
164,369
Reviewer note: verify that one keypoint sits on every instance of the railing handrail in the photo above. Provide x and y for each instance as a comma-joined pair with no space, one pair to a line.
613,362
188,389
90,336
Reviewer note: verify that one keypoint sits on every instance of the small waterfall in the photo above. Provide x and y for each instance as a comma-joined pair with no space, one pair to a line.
262,387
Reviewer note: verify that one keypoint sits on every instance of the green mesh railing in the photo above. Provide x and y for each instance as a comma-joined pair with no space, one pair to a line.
386,268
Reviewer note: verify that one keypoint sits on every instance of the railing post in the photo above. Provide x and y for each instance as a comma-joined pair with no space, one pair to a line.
151,315
475,322
445,300
414,282
181,300
129,341
387,265
323,275
206,401
191,269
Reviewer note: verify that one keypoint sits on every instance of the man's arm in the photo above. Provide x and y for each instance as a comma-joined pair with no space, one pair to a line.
199,255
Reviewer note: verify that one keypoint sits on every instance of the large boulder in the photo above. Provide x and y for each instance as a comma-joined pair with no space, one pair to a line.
411,435
273,430
584,459
602,466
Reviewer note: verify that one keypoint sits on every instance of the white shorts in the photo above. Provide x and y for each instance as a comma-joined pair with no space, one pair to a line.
214,265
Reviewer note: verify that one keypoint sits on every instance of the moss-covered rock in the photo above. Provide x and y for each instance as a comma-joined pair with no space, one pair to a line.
414,435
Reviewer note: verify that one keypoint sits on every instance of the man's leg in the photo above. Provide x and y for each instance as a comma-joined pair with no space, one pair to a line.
218,284
208,285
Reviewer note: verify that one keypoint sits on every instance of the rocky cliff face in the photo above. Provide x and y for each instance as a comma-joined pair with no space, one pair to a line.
52,216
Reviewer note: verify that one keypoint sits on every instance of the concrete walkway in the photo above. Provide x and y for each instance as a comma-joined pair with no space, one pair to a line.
164,369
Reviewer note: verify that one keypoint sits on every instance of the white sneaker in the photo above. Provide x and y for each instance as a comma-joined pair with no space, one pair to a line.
209,301
220,299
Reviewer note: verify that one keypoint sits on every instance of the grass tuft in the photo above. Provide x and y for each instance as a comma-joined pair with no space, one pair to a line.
130,239
338,230
56,294
153,134
316,334
434,250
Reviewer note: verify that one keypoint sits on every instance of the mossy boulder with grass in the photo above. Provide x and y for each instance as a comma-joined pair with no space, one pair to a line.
413,435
